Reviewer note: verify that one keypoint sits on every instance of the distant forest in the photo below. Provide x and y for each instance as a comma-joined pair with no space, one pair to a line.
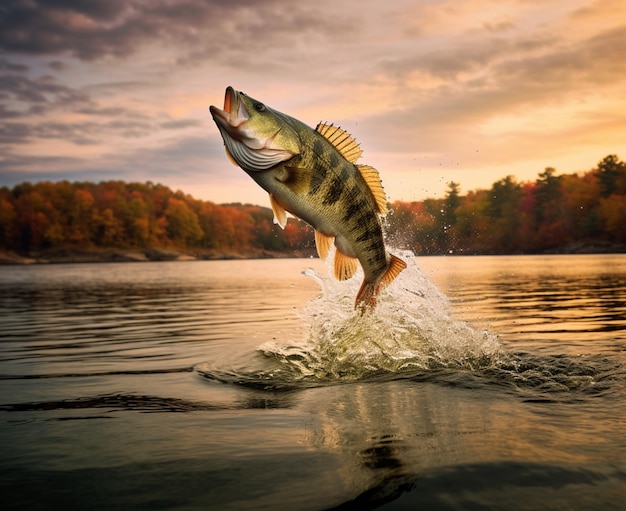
553,213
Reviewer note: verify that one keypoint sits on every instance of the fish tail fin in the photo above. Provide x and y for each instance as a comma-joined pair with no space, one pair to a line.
366,297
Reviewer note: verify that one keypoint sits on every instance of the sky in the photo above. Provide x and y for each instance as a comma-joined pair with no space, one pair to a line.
435,91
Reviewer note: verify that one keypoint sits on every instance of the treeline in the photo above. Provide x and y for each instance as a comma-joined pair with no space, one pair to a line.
115,214
544,215
568,212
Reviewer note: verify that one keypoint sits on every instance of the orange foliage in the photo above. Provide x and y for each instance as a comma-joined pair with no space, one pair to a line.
133,215
548,214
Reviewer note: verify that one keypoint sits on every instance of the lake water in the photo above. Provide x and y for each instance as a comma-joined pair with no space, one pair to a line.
253,385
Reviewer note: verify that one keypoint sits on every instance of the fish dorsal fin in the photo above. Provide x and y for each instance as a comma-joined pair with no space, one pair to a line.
372,178
341,140
323,243
345,266
280,215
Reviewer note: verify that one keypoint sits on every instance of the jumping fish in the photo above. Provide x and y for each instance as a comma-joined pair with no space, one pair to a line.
313,175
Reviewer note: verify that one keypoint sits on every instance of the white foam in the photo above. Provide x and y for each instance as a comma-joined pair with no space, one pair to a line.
410,330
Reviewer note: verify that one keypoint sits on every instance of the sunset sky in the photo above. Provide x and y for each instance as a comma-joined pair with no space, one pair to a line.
434,90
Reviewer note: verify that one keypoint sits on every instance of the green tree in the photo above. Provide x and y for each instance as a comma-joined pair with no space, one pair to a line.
550,225
503,210
182,223
612,175
451,205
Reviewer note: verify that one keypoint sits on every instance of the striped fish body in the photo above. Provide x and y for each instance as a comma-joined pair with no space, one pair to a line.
312,174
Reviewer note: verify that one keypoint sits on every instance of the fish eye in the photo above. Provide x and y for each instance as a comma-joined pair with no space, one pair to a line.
259,107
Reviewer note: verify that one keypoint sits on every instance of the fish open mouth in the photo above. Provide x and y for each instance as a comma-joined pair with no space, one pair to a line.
234,113
228,99
247,148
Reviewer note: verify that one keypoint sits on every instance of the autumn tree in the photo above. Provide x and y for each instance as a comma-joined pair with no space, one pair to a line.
182,223
581,196
472,222
510,217
612,212
8,217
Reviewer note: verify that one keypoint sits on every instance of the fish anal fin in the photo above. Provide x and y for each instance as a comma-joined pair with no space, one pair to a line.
372,179
322,243
345,267
280,215
368,293
341,140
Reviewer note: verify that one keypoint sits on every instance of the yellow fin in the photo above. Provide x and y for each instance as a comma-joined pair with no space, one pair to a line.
322,242
396,265
366,297
280,215
372,178
345,267
341,140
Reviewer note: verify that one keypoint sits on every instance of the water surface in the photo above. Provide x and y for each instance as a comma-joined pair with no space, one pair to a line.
254,385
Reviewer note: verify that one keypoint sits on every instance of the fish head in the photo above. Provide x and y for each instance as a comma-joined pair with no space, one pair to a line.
256,137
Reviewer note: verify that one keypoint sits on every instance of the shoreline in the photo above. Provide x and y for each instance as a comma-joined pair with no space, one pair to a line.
116,255
65,256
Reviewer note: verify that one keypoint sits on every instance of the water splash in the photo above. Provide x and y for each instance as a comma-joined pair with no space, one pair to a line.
410,331
412,334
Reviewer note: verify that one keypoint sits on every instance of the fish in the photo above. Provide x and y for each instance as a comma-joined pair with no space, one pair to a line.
312,174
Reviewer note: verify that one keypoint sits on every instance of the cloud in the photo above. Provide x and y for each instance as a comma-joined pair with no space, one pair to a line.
195,163
26,96
181,124
119,28
88,132
497,77
120,87
41,108
53,27
6,65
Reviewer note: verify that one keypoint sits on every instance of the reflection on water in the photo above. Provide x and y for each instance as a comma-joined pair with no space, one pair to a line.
538,299
140,317
509,397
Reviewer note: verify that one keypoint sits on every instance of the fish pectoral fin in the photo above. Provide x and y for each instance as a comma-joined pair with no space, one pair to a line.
280,215
297,179
372,179
366,297
322,243
341,140
345,266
